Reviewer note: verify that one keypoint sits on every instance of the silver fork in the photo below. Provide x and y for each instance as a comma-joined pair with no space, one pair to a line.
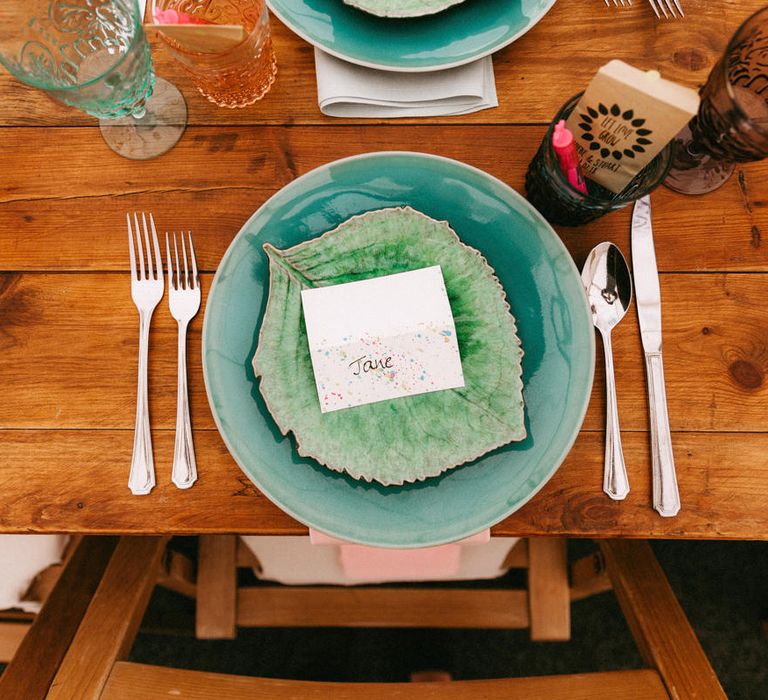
146,290
619,2
184,302
672,5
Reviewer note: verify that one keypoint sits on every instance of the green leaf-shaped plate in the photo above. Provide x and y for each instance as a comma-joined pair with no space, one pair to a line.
402,8
547,300
410,438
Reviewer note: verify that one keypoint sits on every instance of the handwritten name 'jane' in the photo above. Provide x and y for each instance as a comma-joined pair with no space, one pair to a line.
361,364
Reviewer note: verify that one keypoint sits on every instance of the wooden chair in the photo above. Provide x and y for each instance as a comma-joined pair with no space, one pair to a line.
14,623
78,644
221,606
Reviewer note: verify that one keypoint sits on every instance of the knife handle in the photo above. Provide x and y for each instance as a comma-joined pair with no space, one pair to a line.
666,498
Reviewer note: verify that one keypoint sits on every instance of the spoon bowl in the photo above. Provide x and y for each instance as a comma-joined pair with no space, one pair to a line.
608,285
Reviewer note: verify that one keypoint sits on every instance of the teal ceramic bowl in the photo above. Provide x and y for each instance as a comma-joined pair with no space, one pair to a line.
458,35
546,297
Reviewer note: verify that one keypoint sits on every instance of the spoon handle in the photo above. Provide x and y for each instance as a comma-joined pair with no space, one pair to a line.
615,480
666,497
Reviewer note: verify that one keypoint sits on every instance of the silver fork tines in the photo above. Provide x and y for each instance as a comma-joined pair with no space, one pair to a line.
184,303
619,2
668,8
146,291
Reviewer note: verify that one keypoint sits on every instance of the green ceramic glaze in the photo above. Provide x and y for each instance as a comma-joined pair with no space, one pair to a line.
458,35
414,437
402,8
547,300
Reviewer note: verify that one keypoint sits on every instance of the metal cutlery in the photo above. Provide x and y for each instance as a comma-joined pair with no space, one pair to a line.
146,292
184,303
666,498
668,8
608,285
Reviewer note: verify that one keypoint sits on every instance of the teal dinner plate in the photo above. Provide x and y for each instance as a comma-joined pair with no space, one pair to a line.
546,297
458,35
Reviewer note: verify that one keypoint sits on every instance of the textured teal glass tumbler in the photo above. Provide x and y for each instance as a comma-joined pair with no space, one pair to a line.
94,55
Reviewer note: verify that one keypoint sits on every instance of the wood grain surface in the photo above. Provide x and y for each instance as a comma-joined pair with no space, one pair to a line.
658,623
365,606
73,218
36,661
216,600
534,75
68,328
111,621
129,681
548,592
70,340
51,479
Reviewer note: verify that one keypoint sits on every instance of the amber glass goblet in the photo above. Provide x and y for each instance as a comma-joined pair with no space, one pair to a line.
732,123
239,75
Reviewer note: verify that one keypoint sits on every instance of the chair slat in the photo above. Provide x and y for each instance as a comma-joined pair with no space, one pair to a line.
215,612
657,622
265,606
112,620
39,654
548,593
142,682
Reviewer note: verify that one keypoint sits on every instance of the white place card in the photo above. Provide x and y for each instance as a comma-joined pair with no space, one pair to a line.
381,338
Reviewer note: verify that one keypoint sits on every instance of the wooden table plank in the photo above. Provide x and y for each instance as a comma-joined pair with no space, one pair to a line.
82,331
68,328
531,82
218,176
75,480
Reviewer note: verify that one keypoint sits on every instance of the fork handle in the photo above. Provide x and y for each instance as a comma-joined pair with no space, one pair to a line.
142,476
184,466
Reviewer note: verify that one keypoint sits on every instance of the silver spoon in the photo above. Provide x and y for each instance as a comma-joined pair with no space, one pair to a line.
609,292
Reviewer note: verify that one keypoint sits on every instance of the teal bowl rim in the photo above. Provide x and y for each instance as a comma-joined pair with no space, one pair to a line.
400,68
582,407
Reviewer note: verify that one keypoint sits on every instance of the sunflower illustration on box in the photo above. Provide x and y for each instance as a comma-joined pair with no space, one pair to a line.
614,132
624,119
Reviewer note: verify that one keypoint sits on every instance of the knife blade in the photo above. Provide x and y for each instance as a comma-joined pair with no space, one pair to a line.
666,497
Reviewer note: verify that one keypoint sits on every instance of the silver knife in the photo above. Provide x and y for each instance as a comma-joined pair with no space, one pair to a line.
666,498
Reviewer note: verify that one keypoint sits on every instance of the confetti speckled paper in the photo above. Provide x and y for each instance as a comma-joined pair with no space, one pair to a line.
414,437
381,338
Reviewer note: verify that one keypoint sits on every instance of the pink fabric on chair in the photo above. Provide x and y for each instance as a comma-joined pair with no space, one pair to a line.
368,564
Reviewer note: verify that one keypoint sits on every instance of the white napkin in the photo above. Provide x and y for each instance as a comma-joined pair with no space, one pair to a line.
300,560
348,90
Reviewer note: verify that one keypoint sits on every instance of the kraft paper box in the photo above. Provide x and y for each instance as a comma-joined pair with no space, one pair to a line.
624,119
381,338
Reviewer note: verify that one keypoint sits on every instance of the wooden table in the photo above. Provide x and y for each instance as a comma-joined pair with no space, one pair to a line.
68,328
